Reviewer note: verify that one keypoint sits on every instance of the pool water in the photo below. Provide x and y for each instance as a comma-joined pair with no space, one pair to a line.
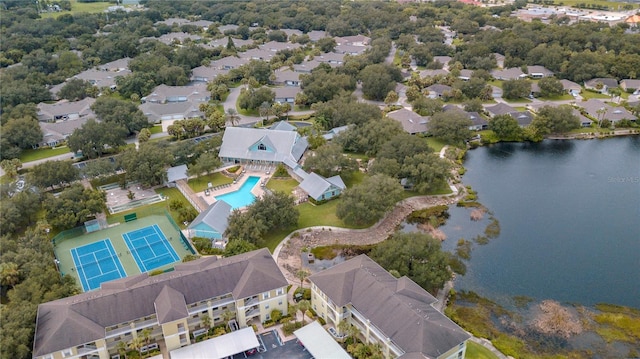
243,196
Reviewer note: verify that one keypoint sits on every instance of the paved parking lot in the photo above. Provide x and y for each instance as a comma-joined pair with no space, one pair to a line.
272,347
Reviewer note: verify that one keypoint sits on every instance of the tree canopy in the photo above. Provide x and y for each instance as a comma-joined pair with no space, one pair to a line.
451,126
73,206
370,200
147,165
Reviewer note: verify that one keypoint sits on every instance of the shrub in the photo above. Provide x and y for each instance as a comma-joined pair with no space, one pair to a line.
156,272
233,169
281,171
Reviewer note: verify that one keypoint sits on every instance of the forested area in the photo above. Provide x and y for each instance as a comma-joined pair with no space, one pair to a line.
39,53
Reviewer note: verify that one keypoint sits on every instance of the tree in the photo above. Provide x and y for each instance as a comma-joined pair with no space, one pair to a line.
506,127
451,126
421,54
323,84
426,106
326,44
147,165
22,132
391,98
328,160
550,87
76,89
302,274
251,99
11,167
73,206
558,119
53,173
303,306
417,256
99,167
515,89
426,170
205,319
206,163
93,138
370,137
9,274
122,349
238,246
370,200
120,112
344,110
232,117
378,80
473,105
144,135
136,344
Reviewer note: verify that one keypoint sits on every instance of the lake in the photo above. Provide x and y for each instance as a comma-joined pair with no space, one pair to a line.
569,213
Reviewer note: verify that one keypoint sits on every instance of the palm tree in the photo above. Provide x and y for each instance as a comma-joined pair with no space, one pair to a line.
136,344
302,275
122,349
206,320
146,335
232,116
303,306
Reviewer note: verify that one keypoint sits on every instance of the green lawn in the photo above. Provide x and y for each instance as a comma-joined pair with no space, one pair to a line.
435,143
156,129
355,179
33,155
77,7
201,183
589,94
477,351
611,4
282,185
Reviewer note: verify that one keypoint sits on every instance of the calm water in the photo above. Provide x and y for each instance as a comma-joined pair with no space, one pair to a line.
241,197
569,213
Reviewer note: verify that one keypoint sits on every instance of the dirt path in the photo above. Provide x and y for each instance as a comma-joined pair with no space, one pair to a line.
288,252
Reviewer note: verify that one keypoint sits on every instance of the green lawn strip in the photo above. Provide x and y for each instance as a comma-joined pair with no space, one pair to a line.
156,129
282,185
589,95
201,183
78,7
610,4
477,351
435,143
34,155
354,179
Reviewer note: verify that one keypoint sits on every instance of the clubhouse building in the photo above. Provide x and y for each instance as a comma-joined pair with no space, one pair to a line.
171,305
395,313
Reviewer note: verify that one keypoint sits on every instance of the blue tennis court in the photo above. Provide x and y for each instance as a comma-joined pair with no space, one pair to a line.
150,248
96,263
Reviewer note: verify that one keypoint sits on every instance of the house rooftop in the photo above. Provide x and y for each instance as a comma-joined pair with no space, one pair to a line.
215,216
398,307
316,185
411,122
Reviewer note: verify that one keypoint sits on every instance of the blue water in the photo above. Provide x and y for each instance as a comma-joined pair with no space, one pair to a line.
243,196
569,213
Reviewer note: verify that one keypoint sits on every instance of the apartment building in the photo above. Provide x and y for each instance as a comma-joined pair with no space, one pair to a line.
395,313
171,305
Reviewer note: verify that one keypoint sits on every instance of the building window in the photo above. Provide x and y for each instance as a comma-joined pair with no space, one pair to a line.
183,339
279,291
280,302
266,306
67,353
262,147
265,295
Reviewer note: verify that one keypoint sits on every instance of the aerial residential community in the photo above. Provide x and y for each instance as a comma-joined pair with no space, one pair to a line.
288,179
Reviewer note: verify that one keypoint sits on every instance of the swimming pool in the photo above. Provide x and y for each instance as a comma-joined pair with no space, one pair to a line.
243,196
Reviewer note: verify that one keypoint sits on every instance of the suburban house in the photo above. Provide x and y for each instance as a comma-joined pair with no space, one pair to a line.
437,90
584,121
173,21
395,313
178,37
306,66
630,85
478,123
205,73
283,126
229,63
193,93
512,73
444,60
316,35
356,40
257,54
286,77
115,66
465,74
499,59
320,188
212,222
433,73
229,27
223,42
274,46
500,109
538,72
157,112
601,84
353,50
286,94
331,58
171,305
600,110
262,146
54,133
571,87
411,122
291,32
66,110
334,132
101,79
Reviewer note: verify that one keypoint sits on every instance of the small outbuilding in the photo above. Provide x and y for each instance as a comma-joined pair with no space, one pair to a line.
211,223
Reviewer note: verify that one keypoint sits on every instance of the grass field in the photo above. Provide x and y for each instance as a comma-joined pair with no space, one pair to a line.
170,193
477,351
201,183
611,4
282,185
34,155
435,143
155,129
78,7
588,95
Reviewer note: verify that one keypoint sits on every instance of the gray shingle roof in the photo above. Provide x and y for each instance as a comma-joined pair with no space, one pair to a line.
215,216
170,305
82,108
283,126
400,308
83,318
411,122
177,173
500,109
512,73
315,185
281,145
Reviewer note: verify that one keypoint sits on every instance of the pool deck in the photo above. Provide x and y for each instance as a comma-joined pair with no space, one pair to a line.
257,190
